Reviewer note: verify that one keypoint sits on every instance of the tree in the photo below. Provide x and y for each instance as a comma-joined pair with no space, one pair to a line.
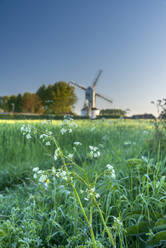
12,102
58,98
4,103
31,103
113,112
18,103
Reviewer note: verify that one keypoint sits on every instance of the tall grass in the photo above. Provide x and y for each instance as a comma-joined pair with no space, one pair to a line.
130,211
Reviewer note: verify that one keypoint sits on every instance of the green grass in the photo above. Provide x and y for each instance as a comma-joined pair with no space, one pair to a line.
133,205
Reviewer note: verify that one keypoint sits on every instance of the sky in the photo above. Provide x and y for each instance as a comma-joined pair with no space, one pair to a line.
45,41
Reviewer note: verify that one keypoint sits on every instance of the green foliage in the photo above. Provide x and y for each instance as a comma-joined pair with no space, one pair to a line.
133,204
113,112
58,98
31,103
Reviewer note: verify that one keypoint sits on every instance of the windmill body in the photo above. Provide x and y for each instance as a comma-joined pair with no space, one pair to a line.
89,109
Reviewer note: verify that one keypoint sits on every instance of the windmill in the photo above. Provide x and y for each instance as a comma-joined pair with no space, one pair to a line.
89,108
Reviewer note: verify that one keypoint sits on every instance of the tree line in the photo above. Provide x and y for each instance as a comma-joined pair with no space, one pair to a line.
58,98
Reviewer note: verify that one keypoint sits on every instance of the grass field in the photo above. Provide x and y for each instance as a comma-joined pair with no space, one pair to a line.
81,184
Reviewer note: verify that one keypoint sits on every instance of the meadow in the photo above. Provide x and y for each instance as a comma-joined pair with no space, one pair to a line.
69,183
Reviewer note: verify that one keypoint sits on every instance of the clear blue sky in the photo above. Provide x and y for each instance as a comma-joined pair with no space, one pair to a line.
43,41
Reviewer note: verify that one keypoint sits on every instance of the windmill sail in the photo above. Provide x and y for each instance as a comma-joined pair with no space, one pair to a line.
78,85
96,79
105,98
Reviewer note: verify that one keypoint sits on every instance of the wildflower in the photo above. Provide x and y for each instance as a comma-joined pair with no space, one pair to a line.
117,221
53,170
97,195
63,130
28,136
43,136
56,154
48,143
35,176
77,143
61,174
126,143
93,148
109,167
39,172
35,169
111,170
23,128
43,178
70,155
94,152
96,155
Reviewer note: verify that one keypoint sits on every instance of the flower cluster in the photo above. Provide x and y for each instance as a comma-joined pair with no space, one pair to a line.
89,193
41,176
126,143
60,173
94,152
45,137
111,170
77,143
26,131
67,125
56,153
117,221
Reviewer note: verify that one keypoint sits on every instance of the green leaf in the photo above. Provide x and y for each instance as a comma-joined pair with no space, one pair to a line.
157,239
137,229
2,234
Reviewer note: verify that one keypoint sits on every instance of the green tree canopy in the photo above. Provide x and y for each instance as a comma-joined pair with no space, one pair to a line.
113,112
58,98
31,103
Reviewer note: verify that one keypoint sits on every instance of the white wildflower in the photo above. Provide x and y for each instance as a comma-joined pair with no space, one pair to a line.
35,169
43,178
86,199
56,154
28,136
97,195
77,143
39,172
111,170
63,130
109,167
70,155
48,143
126,143
53,170
35,176
117,221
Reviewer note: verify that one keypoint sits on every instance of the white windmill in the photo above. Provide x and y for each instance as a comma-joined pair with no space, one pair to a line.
89,108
